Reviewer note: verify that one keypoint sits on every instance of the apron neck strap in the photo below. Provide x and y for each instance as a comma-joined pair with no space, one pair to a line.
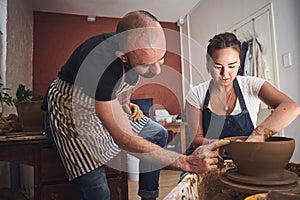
237,90
239,95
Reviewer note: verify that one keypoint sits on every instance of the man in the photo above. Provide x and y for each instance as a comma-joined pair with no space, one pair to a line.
88,124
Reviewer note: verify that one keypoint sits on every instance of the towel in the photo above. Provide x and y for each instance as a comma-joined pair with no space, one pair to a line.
258,64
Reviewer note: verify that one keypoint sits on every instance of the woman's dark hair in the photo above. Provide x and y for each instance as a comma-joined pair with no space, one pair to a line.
221,41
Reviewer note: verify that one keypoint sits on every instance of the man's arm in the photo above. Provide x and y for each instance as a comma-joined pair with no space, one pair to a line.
116,122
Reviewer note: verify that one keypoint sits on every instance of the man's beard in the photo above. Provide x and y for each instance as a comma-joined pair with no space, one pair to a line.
148,75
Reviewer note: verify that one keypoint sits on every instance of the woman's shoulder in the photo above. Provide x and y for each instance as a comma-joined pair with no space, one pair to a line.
250,79
250,84
199,89
197,93
202,85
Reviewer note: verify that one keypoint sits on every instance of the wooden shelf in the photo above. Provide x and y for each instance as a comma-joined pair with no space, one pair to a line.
50,179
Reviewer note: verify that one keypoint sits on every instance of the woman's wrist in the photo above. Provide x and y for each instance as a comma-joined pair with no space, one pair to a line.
260,130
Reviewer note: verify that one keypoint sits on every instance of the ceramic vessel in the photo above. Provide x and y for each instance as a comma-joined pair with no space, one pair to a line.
31,116
261,159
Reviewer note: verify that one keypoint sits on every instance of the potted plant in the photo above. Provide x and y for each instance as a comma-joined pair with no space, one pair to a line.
4,98
29,109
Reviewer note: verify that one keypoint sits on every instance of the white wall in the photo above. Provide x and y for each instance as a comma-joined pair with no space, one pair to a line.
286,14
3,22
210,17
19,46
16,50
4,166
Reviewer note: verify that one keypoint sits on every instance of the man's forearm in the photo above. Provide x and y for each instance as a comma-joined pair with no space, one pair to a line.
154,154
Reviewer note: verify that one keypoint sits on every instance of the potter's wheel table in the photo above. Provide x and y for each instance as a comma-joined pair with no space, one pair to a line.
211,186
288,182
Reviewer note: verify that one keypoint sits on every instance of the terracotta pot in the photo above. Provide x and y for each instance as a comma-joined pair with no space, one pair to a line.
261,159
31,115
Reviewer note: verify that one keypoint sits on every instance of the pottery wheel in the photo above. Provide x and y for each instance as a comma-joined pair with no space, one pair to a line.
252,189
287,178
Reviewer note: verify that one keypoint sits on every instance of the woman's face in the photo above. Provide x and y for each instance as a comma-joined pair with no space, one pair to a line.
224,66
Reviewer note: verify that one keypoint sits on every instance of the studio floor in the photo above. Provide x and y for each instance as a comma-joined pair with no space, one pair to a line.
168,180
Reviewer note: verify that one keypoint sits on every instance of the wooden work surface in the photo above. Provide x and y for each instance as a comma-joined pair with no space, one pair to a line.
50,179
23,137
20,147
180,128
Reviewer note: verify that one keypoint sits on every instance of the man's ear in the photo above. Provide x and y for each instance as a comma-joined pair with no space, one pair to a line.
122,56
207,68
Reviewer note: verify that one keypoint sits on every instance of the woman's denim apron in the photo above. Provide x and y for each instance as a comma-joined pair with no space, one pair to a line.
221,126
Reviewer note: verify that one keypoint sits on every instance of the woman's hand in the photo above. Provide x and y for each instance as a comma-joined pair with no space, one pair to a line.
255,138
134,111
260,134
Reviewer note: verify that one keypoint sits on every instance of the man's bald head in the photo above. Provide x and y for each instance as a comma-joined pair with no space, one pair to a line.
136,19
139,30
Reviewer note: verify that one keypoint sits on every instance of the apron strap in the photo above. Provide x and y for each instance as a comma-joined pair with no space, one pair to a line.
207,96
240,95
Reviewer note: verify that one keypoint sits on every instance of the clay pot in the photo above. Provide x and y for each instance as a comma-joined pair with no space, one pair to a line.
261,159
31,116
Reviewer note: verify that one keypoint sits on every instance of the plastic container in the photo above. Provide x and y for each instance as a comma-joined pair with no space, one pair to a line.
133,168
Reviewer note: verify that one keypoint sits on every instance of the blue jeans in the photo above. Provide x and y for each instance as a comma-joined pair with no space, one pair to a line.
148,181
90,186
93,185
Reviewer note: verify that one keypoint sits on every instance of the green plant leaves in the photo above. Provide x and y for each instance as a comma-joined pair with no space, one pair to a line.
24,95
4,97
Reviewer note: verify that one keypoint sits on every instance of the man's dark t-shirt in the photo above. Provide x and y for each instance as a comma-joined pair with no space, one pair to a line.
95,67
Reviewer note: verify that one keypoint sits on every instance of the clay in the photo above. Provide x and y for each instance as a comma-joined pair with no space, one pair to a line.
261,159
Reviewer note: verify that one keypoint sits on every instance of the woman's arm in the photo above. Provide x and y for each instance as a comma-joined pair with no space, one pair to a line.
285,111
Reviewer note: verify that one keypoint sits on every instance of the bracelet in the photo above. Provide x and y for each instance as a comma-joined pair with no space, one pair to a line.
263,131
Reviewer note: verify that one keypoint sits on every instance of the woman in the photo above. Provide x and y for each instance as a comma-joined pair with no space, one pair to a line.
227,105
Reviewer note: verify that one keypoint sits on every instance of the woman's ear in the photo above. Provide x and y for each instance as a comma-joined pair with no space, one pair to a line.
122,56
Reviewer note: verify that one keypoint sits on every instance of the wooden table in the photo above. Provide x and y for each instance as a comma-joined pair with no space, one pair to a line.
22,148
50,179
178,128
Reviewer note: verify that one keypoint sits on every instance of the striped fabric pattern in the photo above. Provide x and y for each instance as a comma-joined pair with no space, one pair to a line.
82,140
125,86
136,126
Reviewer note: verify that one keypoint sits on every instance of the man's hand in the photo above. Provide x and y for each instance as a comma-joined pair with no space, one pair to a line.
133,110
205,158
